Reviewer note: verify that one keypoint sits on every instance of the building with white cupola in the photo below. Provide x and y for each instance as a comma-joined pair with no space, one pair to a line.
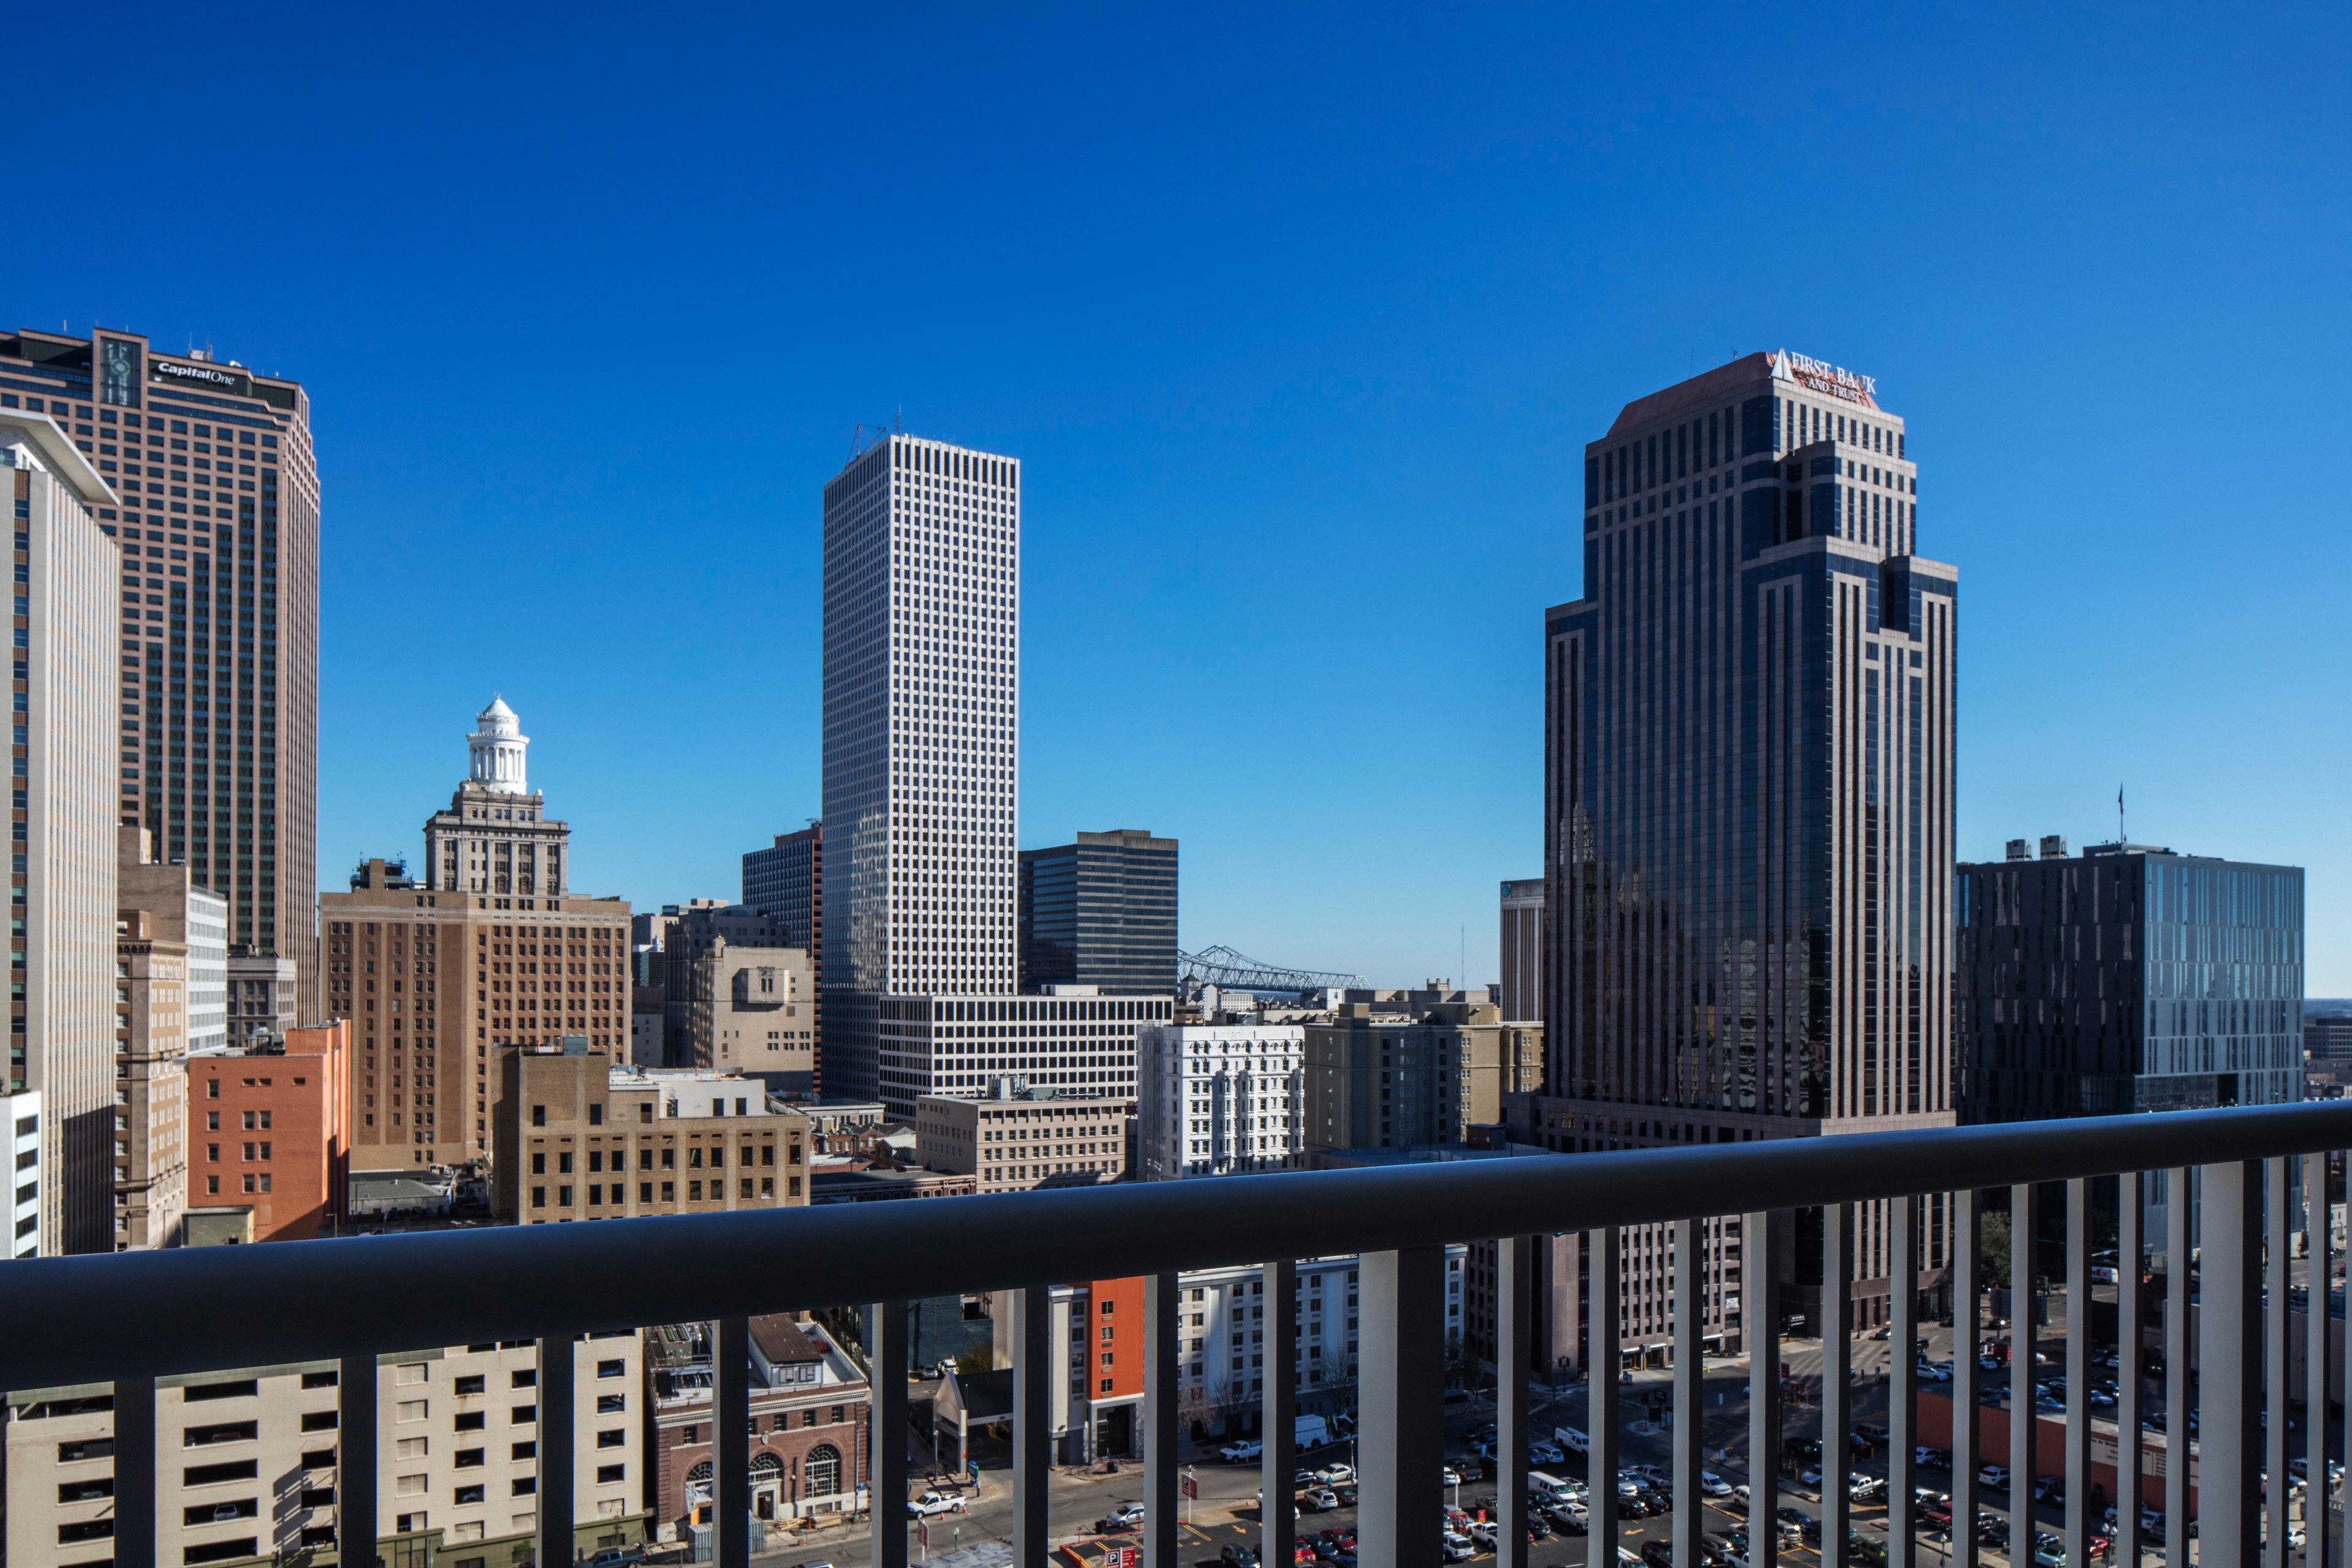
496,835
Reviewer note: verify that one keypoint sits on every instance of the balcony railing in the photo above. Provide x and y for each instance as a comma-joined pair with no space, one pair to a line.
130,1317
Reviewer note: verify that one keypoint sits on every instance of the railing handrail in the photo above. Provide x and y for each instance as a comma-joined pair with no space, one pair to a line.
73,1320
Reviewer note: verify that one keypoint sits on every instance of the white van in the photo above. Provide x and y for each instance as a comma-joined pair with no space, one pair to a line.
1571,1439
1548,1489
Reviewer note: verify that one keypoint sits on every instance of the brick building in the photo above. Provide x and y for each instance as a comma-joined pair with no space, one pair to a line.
270,1130
809,1423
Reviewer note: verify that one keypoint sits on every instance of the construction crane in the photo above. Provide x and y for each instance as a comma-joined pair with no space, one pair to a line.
1227,970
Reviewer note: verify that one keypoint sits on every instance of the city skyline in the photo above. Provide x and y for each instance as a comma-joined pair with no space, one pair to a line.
1287,387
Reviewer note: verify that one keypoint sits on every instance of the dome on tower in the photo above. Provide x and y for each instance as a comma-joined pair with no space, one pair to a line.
497,746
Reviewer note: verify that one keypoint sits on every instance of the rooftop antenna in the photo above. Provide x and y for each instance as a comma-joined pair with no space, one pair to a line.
2121,836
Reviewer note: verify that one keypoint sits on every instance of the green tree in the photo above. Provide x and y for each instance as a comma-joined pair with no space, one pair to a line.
1992,1254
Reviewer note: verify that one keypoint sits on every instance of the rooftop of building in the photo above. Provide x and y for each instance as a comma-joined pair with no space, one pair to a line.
53,451
1758,368
1015,1091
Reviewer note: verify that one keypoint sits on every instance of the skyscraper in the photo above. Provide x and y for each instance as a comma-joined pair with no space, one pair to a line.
922,544
218,519
1522,948
1101,911
62,884
1747,822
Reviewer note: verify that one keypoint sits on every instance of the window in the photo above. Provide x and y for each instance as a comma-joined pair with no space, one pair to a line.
820,1471
606,1475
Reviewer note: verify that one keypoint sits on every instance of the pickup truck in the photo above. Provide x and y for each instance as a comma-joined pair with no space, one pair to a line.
932,1504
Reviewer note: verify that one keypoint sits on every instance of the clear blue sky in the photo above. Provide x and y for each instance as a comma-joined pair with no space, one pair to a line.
1298,318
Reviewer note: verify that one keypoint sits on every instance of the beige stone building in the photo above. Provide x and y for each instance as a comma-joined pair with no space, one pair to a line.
435,982
151,1112
1378,1078
62,884
1017,1138
248,1460
582,1135
260,997
753,1010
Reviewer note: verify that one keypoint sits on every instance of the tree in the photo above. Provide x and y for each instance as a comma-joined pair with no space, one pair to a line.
1993,1254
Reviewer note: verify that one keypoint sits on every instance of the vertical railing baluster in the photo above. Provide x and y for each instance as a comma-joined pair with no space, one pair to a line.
1837,1380
1278,1464
558,1526
2276,1229
1687,1446
1603,1260
1514,1282
1163,1395
134,1472
1032,1423
1759,1250
2130,1469
2021,1368
2318,1277
1902,1383
356,1525
887,1350
731,1442
1967,1247
1163,1339
1400,1370
2177,1188
2228,1363
2078,1370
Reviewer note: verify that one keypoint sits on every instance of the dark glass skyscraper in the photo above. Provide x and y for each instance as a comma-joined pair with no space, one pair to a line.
2127,978
1101,911
1748,791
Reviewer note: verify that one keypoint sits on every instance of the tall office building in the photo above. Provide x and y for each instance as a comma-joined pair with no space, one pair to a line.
1101,911
1747,821
62,883
1522,949
215,504
922,564
2127,978
436,978
786,881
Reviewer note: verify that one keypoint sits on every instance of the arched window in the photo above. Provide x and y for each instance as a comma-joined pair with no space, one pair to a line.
820,1471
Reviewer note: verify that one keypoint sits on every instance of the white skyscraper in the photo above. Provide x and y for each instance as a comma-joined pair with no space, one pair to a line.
922,714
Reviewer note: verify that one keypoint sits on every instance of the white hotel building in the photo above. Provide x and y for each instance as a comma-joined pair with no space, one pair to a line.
922,710
1216,1098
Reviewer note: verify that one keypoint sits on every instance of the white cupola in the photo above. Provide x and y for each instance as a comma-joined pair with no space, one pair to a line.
498,744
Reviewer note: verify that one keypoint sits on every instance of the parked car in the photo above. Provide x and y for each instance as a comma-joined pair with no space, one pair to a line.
1993,1477
1568,1518
1658,1553
1456,1547
1235,1555
1713,1485
1318,1499
1810,1476
1336,1475
1932,1459
931,1503
1126,1516
1542,1453
618,1557
1242,1453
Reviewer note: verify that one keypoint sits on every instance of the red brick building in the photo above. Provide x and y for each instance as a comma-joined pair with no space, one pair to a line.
270,1130
809,1423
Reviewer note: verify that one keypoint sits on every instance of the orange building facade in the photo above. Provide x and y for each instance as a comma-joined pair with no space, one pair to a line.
271,1130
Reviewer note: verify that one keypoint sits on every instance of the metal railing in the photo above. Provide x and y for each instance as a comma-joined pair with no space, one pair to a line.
130,1317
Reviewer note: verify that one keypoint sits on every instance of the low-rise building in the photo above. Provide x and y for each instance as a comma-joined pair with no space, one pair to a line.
851,1183
151,1045
1096,1339
260,996
23,1114
250,1459
1214,1098
269,1129
753,1009
580,1136
1379,1076
810,1409
1015,1137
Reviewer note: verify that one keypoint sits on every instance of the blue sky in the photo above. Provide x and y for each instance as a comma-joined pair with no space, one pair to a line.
1299,319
